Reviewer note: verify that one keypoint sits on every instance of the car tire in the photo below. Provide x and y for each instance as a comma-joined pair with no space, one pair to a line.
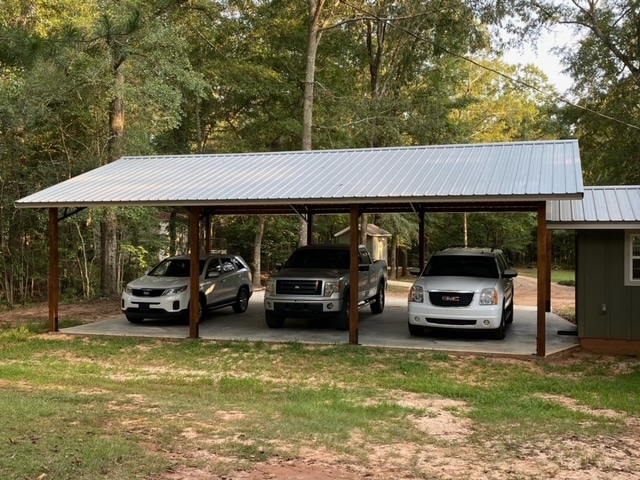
134,318
415,330
242,301
202,306
342,320
509,317
499,333
273,319
378,301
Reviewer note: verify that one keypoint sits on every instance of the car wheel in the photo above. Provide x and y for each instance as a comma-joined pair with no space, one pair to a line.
415,330
342,318
273,319
378,302
242,301
201,311
134,318
499,333
509,317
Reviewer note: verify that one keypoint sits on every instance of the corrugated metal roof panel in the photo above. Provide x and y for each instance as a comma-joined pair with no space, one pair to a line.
601,207
487,172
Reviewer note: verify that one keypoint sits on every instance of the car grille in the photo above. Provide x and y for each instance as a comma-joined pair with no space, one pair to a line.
450,321
299,287
147,292
297,307
451,299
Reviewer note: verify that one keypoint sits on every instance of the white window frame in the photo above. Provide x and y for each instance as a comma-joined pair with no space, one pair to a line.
629,258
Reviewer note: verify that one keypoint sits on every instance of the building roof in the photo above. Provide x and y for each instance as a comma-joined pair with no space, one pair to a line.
601,208
274,182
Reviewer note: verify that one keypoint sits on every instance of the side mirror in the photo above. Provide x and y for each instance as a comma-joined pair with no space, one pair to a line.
509,273
279,265
213,274
415,271
363,267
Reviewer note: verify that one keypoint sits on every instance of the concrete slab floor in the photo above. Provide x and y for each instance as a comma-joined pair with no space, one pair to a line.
388,330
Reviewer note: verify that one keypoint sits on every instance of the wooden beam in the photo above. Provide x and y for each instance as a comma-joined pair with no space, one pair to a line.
194,280
353,275
54,270
543,269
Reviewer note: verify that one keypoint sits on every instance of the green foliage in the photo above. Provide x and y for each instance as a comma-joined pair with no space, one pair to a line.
228,76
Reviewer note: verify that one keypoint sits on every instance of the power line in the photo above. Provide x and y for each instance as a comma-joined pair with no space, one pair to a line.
545,93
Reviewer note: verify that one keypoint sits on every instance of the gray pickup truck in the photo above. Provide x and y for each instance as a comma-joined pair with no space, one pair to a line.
314,282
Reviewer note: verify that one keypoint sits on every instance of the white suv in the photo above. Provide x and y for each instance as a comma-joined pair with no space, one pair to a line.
463,288
225,280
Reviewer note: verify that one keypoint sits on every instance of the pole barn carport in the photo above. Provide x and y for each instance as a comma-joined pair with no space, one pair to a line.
492,177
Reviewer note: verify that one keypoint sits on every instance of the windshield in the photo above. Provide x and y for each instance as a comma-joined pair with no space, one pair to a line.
319,258
461,266
174,267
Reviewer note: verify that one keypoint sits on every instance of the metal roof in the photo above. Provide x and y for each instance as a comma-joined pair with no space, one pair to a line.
601,208
493,173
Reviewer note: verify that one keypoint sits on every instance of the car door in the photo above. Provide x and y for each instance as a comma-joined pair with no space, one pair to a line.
229,279
212,277
507,283
364,276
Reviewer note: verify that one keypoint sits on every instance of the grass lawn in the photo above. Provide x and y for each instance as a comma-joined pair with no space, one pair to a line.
557,276
124,408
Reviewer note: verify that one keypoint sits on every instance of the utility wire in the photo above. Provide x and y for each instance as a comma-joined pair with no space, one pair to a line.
490,69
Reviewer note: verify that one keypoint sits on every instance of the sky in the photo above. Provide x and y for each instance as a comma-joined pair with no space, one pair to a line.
543,58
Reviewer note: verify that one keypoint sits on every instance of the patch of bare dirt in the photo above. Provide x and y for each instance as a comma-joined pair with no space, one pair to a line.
526,294
447,452
87,311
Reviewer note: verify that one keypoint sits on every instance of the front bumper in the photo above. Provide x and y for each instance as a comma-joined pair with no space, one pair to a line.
169,306
302,307
473,317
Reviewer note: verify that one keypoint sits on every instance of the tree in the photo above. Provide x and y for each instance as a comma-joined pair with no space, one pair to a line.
604,62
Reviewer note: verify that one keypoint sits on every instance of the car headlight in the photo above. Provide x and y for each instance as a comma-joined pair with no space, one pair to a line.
330,288
175,290
270,287
489,296
128,290
416,294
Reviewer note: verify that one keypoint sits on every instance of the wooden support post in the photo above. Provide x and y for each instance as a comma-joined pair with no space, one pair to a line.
207,234
309,228
54,270
194,280
547,289
543,269
353,275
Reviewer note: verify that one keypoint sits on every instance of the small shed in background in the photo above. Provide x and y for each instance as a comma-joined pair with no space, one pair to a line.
377,241
607,225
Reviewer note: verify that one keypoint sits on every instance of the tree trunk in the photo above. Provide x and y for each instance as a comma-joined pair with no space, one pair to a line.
404,261
364,223
313,38
393,261
109,225
257,248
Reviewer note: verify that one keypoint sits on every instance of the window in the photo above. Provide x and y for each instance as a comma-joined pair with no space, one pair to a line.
632,258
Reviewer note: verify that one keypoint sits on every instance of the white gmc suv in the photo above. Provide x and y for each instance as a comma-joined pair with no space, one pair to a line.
463,288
